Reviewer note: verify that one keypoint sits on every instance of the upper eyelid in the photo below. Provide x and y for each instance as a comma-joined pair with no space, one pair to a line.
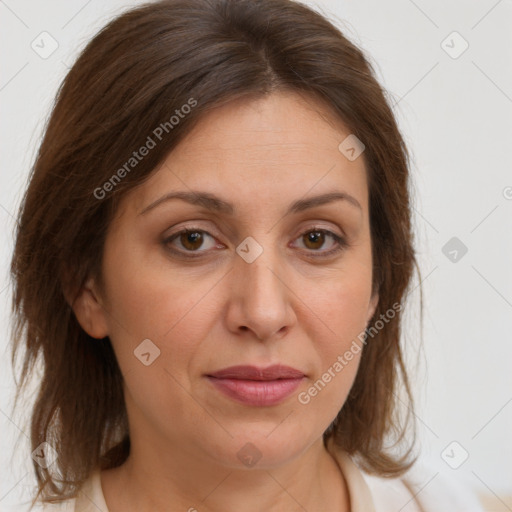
301,231
234,235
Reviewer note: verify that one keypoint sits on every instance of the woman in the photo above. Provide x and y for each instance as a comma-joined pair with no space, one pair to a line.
211,259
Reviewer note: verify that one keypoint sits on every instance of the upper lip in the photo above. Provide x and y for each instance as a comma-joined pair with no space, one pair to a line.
245,372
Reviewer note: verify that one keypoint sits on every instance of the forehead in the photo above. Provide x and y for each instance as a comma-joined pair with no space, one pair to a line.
272,149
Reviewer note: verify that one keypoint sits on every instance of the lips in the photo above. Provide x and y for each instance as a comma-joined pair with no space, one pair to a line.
257,386
274,372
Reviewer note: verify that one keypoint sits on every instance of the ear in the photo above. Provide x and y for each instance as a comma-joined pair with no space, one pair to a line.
89,311
372,306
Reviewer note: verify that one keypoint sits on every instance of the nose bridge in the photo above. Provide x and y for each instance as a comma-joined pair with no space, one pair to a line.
257,268
259,289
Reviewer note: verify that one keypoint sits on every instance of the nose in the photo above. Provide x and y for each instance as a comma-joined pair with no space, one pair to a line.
260,298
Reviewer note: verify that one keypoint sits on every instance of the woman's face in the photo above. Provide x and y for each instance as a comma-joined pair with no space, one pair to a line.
256,282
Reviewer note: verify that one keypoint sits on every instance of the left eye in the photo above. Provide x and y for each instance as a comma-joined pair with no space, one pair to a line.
191,240
314,239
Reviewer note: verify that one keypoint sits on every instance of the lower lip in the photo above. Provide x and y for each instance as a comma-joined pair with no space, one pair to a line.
256,392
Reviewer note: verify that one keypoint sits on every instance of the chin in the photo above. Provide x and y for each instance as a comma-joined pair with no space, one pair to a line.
262,448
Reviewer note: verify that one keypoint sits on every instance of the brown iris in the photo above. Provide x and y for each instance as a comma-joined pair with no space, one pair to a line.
317,238
191,240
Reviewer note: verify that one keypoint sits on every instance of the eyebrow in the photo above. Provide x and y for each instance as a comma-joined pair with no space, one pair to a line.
214,203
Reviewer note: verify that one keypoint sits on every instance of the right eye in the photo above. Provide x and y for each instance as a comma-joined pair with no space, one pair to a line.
190,240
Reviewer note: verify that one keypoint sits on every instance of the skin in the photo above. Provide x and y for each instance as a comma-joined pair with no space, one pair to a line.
216,311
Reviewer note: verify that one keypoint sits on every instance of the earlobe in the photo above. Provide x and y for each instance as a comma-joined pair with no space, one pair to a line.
89,311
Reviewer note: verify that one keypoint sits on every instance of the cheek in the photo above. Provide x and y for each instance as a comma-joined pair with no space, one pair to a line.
343,310
345,319
342,303
148,301
168,310
352,303
342,306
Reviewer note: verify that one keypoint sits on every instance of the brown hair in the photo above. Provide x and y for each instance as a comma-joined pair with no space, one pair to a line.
132,77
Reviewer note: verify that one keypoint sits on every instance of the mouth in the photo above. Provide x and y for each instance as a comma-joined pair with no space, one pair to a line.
255,386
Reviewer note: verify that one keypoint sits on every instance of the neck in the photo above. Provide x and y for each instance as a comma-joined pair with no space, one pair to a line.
312,481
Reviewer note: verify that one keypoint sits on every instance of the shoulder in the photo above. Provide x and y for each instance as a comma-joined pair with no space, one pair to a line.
424,488
63,506
421,489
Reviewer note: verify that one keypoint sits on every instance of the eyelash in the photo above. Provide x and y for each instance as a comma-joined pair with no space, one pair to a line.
340,241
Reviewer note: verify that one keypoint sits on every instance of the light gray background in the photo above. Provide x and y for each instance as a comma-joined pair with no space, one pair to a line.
455,114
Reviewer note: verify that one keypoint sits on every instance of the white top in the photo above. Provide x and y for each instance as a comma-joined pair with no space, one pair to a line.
419,490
